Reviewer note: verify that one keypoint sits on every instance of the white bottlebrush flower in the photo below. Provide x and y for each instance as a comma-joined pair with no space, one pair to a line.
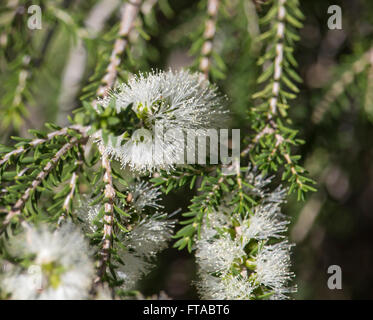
87,213
210,287
273,267
144,195
226,269
133,269
142,244
228,287
60,267
266,222
168,104
276,196
258,183
258,187
218,255
150,236
214,222
141,194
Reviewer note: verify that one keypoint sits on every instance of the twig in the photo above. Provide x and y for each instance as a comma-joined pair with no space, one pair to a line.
254,142
68,199
293,170
108,217
339,86
50,136
239,183
214,188
210,30
278,59
129,14
70,196
17,208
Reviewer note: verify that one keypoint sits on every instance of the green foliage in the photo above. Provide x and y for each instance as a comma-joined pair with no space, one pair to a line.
46,177
273,140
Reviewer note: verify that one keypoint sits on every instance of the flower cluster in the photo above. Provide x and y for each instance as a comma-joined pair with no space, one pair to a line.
167,105
142,195
141,245
144,239
245,257
56,265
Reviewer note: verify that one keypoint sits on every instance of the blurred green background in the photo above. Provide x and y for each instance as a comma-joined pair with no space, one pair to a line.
333,226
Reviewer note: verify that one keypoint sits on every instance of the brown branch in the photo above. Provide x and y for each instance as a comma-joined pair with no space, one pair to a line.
19,205
209,34
266,130
68,199
129,14
70,196
36,142
108,217
214,188
280,33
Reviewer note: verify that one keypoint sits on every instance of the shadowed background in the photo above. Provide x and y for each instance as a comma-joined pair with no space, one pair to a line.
333,113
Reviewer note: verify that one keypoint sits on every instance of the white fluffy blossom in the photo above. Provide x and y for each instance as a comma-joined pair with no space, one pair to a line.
233,251
59,265
266,222
87,213
214,222
228,287
218,255
273,267
168,104
150,236
144,195
142,244
133,269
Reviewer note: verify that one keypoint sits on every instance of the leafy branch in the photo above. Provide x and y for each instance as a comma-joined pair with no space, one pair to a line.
272,141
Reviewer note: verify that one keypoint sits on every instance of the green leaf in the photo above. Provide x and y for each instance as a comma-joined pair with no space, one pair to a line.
121,212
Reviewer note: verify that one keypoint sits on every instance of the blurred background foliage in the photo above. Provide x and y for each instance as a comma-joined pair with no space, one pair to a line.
333,111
